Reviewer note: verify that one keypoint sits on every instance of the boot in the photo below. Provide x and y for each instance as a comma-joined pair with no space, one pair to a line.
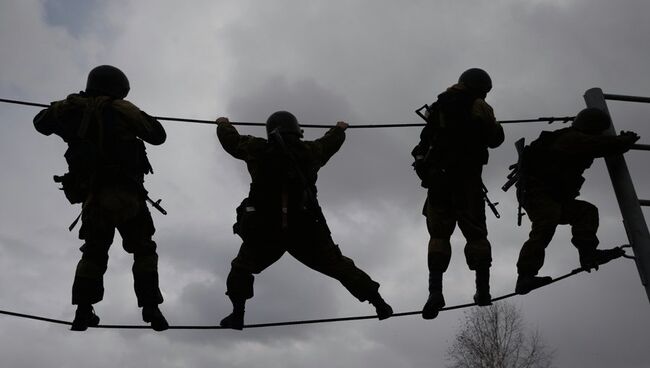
235,320
84,317
527,283
482,296
595,257
381,307
436,300
152,314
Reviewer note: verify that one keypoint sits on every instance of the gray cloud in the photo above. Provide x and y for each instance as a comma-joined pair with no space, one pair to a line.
359,61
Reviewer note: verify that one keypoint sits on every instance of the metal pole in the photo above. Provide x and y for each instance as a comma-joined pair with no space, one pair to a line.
626,98
628,202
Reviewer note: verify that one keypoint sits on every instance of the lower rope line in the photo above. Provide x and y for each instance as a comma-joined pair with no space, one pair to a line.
286,323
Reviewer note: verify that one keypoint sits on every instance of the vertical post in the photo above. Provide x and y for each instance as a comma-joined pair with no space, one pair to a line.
628,202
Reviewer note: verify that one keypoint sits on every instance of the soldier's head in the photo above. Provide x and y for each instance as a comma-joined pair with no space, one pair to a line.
477,81
285,123
591,121
107,80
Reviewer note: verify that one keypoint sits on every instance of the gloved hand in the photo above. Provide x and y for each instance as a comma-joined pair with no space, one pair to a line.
630,137
222,120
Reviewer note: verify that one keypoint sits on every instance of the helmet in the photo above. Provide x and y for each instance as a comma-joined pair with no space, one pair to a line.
285,122
107,80
477,80
591,120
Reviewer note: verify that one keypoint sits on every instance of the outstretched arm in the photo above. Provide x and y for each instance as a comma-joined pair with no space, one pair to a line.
237,145
582,144
144,126
325,147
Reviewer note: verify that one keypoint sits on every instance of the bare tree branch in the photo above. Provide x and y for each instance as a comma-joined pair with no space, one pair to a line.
495,337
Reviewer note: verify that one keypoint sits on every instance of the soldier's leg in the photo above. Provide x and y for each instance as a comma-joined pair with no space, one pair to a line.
88,286
478,252
137,234
441,222
545,215
256,253
583,218
312,245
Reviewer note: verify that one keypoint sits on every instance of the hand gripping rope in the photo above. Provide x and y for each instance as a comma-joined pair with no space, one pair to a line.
299,322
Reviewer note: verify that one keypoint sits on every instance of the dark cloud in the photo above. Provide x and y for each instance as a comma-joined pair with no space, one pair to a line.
76,16
358,61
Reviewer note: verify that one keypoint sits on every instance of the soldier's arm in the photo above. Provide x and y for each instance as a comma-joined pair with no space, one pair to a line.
47,121
140,123
490,127
239,146
577,143
326,146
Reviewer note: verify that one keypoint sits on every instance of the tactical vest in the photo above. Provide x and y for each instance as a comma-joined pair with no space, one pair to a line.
455,139
277,175
547,170
97,155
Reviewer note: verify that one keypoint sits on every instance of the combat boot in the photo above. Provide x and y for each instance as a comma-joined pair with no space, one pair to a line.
436,300
482,296
152,314
383,309
84,317
595,257
527,283
235,320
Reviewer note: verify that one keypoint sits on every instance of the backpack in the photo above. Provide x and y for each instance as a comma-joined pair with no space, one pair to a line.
94,157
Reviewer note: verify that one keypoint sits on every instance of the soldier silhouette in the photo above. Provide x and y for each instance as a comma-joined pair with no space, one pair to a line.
449,160
107,162
281,213
550,180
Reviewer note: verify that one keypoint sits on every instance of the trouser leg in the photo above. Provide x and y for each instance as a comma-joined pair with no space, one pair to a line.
583,218
254,256
441,222
88,285
315,248
137,239
545,214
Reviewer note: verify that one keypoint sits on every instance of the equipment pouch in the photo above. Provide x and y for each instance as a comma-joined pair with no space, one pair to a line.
247,219
75,187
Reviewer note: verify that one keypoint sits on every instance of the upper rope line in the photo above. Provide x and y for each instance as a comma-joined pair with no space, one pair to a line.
291,323
549,119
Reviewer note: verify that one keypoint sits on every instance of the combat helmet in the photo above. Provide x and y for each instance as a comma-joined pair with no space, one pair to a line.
476,80
285,122
107,80
591,120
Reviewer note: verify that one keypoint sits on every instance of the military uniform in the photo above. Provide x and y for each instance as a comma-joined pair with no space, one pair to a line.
281,213
553,165
104,137
449,159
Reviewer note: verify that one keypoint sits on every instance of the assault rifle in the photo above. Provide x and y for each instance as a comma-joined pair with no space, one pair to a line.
420,114
492,205
515,176
155,204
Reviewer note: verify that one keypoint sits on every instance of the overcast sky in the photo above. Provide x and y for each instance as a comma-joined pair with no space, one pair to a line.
358,61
